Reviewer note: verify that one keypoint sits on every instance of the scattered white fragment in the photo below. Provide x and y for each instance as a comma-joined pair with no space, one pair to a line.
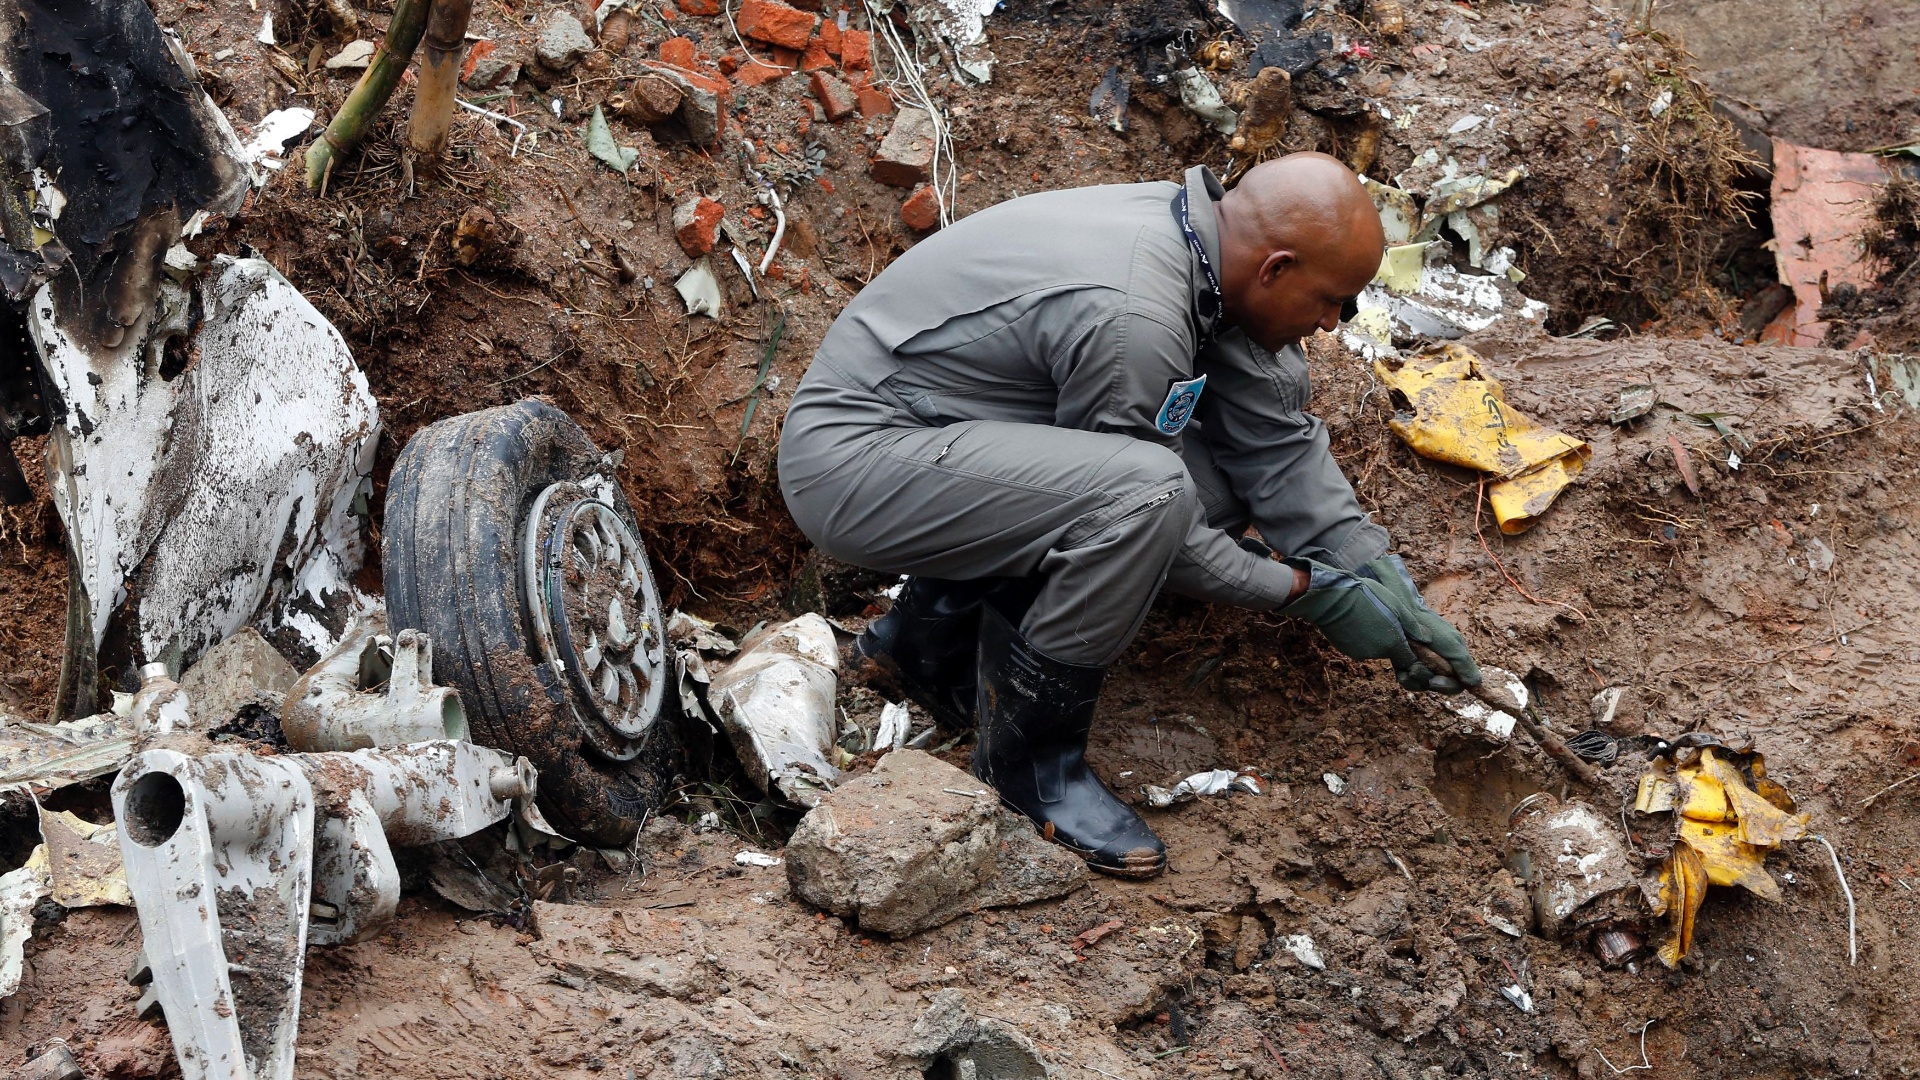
19,892
355,54
700,289
1501,924
223,55
265,36
1520,998
1212,782
1661,103
895,723
698,634
1466,123
1605,704
776,702
1482,716
1335,783
1202,98
755,858
271,134
1303,950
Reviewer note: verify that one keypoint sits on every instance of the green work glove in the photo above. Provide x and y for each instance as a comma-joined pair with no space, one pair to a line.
1376,613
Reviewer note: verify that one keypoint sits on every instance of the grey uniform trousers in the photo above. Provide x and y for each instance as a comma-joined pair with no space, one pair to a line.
1103,519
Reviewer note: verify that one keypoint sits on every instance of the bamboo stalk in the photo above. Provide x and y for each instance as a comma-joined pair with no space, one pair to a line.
441,52
390,59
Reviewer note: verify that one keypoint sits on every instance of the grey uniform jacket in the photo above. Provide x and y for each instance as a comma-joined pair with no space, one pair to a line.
1082,309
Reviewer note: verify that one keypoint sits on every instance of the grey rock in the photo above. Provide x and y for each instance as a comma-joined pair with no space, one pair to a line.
948,1040
562,41
240,671
699,109
906,847
490,72
906,154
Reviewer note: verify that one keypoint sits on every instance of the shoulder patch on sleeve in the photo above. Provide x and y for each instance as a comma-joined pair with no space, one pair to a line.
1182,396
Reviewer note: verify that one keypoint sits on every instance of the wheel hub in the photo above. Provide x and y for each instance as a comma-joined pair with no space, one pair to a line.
596,615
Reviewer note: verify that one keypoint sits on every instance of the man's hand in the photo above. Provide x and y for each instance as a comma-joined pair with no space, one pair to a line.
1377,612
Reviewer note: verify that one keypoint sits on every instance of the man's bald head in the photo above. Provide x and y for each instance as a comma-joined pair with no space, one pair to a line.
1299,237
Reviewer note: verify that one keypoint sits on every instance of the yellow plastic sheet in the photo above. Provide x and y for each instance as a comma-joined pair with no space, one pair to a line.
1725,827
1449,409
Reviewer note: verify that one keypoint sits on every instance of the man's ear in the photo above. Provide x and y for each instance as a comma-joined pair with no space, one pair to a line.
1275,264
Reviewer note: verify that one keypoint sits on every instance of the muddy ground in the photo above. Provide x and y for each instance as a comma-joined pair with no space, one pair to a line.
1772,603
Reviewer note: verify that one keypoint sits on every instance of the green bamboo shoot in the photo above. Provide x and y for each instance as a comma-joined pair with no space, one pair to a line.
390,60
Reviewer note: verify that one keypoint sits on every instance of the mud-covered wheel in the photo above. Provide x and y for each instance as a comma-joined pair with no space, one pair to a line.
507,540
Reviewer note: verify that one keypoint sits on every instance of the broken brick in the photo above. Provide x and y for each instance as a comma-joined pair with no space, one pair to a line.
836,97
678,51
475,53
816,57
872,102
696,224
856,50
756,72
729,63
921,211
786,58
699,7
776,23
906,154
829,37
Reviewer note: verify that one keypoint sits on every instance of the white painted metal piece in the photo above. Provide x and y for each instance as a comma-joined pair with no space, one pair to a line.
228,486
331,706
777,704
218,853
235,860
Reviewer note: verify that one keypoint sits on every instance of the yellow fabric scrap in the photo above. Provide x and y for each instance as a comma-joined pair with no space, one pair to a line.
1449,409
1725,829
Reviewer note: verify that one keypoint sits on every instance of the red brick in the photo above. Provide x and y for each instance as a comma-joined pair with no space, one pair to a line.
786,58
816,58
872,102
856,50
756,72
668,14
776,23
696,224
730,63
835,96
830,37
699,7
679,52
921,211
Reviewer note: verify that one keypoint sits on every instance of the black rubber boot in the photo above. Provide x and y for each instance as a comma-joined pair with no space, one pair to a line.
924,649
1035,716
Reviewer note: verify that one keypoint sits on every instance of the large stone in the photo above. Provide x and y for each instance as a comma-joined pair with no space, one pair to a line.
906,154
916,843
240,671
562,41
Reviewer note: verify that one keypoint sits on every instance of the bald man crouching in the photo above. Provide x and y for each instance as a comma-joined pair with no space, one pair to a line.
1058,405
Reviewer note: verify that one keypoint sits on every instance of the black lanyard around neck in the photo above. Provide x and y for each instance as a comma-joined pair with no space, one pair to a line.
1213,302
